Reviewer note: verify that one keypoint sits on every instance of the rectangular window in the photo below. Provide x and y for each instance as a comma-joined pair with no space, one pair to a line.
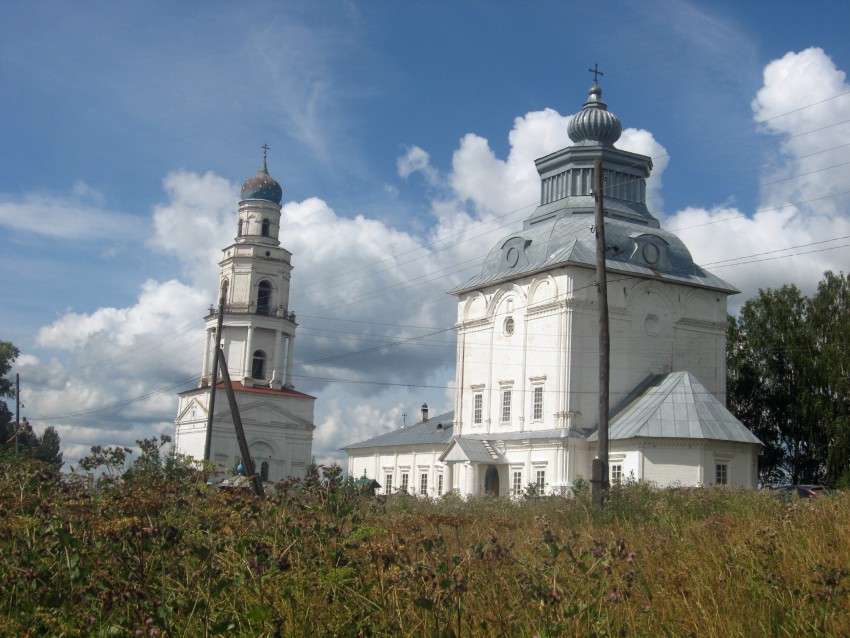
540,480
477,407
423,484
439,485
388,484
404,481
721,474
537,404
506,406
616,474
516,483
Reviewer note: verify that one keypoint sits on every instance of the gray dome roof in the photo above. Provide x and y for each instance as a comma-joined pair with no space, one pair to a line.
262,186
635,249
595,124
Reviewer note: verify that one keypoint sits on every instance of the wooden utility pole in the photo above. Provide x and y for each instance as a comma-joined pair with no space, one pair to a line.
214,377
247,462
599,472
17,408
220,362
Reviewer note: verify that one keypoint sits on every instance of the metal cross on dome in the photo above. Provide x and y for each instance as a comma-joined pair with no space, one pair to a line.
596,73
265,148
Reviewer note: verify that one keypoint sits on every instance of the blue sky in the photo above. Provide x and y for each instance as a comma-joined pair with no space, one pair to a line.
403,135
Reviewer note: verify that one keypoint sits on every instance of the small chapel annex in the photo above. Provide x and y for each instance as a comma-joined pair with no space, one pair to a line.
527,349
258,341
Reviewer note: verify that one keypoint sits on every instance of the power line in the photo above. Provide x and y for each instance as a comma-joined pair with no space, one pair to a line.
450,269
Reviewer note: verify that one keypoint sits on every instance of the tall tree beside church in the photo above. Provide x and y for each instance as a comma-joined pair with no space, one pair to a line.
829,317
788,365
746,398
770,367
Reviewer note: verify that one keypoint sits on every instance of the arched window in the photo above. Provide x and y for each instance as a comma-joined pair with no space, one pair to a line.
264,297
264,471
266,225
239,229
258,365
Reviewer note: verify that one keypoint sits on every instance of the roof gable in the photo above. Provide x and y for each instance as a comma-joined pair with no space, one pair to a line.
462,449
194,410
267,410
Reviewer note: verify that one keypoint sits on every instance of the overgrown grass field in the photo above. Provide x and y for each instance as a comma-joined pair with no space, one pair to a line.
150,558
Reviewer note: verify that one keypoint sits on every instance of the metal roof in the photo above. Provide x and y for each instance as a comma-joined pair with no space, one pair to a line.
476,450
677,406
427,433
422,433
565,238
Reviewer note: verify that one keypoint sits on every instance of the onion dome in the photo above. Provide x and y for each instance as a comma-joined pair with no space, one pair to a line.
594,124
262,186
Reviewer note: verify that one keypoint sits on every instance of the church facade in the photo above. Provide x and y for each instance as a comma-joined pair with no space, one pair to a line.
527,349
258,341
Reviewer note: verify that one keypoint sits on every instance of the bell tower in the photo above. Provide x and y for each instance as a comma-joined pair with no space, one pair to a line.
258,332
258,342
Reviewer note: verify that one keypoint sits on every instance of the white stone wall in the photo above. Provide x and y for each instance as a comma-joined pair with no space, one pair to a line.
280,427
655,328
377,463
679,462
671,466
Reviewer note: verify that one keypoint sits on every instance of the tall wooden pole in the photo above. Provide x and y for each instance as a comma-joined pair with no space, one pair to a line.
599,478
214,377
17,408
247,461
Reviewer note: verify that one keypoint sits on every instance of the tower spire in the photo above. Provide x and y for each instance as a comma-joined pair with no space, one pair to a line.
265,148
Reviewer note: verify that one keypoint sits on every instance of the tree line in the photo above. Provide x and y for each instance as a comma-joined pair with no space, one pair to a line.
19,438
788,380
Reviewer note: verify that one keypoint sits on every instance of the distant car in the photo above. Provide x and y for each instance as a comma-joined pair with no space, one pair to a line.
802,491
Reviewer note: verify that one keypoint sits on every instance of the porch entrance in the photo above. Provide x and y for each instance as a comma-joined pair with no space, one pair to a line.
491,481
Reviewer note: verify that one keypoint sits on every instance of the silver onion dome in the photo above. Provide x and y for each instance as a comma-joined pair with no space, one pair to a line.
595,124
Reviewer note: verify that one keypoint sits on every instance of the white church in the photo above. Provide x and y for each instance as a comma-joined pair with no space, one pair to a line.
258,341
527,350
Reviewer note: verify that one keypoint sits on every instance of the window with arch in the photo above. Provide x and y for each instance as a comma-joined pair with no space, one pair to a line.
264,471
266,226
264,298
258,365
